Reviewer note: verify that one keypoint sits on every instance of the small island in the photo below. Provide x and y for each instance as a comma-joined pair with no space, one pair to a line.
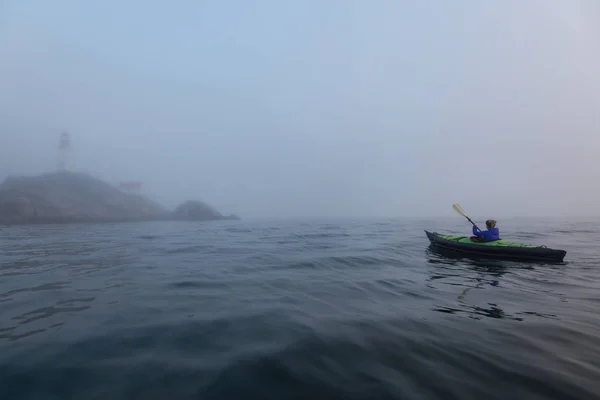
69,197
194,210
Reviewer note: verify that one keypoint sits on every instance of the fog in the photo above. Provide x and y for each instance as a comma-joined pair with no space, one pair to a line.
312,108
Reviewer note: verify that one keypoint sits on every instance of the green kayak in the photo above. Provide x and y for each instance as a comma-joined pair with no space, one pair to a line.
494,249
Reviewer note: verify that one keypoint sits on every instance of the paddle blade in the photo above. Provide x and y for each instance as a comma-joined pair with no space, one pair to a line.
459,210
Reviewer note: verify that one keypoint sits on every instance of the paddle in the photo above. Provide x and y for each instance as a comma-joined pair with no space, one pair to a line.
462,212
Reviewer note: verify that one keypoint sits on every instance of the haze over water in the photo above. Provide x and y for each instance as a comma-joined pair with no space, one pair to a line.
338,131
336,108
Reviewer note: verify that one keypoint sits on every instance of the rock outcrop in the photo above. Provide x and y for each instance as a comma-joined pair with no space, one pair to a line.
74,197
198,211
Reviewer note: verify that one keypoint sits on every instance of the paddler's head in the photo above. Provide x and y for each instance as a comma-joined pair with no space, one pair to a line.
490,223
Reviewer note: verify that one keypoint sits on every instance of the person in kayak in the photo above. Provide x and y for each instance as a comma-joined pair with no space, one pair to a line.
491,234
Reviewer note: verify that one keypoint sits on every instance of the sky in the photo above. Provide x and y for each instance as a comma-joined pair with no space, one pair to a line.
271,108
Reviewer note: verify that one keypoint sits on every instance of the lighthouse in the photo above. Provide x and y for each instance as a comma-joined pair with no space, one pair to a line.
64,145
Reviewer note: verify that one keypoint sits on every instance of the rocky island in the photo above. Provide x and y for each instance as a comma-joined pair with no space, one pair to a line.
67,197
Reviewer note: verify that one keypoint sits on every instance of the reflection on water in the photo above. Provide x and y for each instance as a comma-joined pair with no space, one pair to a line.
473,273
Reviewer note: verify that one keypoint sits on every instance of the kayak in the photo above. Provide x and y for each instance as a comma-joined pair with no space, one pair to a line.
495,249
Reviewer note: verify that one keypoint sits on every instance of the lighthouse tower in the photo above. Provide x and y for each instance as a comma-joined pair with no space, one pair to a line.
64,145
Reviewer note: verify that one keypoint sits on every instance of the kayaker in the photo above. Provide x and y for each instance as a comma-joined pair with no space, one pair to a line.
492,232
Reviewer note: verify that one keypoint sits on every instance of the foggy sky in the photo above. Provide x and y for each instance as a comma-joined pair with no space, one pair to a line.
312,108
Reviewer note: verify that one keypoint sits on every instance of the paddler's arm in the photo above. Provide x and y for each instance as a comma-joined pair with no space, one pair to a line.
476,231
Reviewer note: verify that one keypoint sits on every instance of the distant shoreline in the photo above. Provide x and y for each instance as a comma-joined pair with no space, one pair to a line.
76,198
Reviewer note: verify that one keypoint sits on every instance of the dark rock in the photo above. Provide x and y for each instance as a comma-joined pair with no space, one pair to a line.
74,197
194,210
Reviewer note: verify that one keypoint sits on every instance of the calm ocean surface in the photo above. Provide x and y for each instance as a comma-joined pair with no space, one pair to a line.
348,309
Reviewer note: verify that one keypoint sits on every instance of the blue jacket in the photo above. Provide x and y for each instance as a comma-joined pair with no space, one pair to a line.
489,235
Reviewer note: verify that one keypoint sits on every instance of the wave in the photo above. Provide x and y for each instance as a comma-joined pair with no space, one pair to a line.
368,359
